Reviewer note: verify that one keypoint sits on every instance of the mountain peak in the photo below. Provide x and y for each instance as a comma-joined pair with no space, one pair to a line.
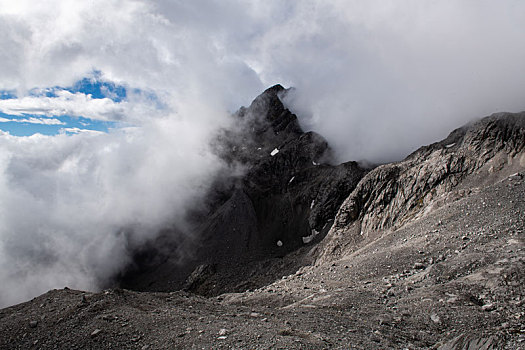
274,89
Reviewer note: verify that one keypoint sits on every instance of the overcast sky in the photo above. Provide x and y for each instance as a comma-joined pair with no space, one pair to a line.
129,147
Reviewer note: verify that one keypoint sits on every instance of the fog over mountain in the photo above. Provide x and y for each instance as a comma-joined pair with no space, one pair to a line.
376,78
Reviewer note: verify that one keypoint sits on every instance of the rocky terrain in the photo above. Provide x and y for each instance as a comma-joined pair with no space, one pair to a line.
298,253
280,193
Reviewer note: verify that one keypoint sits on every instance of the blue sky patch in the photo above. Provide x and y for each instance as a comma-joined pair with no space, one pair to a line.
7,94
99,89
18,127
93,85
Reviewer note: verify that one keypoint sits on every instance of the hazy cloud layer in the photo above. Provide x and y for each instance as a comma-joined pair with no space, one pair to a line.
377,78
66,201
381,78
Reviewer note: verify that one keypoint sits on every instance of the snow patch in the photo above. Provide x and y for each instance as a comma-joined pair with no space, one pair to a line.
274,152
448,146
312,204
279,243
310,238
293,177
314,163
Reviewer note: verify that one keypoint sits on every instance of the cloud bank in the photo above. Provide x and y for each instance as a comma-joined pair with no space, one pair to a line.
376,78
379,79
71,205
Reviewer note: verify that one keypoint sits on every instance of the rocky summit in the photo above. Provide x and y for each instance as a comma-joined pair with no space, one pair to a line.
292,251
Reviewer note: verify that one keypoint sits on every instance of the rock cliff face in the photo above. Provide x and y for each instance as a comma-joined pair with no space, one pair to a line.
393,194
294,190
280,194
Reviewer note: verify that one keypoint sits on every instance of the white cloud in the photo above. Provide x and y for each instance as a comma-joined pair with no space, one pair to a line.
33,120
129,41
377,78
45,121
78,131
381,78
64,199
65,103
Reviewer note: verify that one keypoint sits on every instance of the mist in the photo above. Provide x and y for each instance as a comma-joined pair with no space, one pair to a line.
378,81
376,78
73,205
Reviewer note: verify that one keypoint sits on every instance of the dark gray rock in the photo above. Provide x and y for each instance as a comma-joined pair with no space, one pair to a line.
285,196
394,193
470,342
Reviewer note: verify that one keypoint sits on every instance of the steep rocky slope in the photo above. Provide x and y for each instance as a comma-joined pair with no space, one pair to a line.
280,193
393,194
439,282
424,253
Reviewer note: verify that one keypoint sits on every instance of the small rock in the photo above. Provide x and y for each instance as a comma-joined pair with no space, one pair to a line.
136,339
488,307
33,324
419,266
223,331
435,318
95,332
384,321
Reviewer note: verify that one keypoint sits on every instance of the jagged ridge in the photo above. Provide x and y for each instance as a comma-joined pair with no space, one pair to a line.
285,197
395,193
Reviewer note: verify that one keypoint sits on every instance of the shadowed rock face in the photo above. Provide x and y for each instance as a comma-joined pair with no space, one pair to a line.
281,194
288,181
